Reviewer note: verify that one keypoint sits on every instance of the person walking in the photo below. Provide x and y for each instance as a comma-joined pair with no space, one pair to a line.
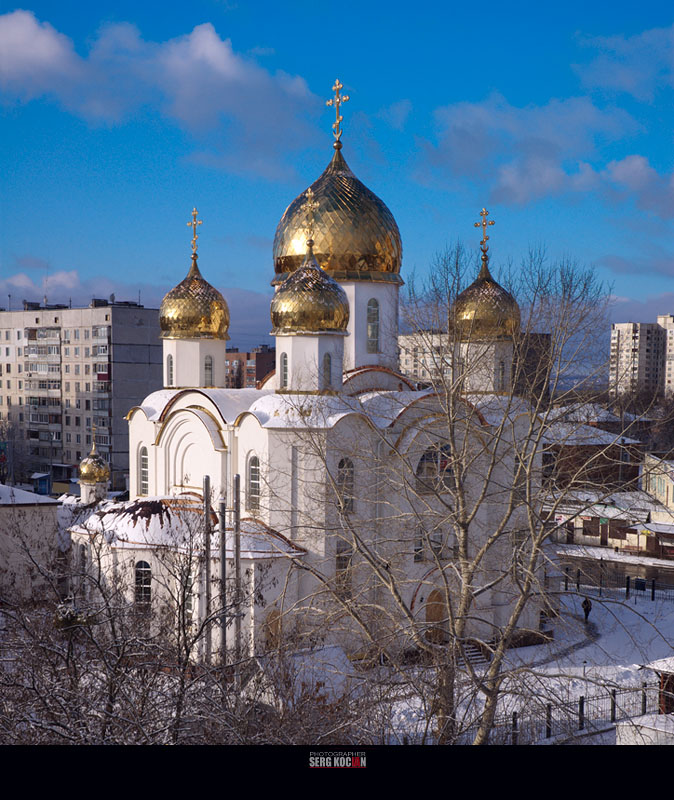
587,607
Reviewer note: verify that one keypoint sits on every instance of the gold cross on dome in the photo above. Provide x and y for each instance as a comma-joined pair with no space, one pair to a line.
337,101
193,225
310,206
484,214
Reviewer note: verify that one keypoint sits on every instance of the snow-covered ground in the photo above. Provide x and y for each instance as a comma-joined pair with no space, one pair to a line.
612,651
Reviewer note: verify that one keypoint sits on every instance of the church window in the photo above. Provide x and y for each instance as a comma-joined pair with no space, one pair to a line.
327,371
253,489
144,472
345,484
343,559
284,370
434,470
373,326
501,376
169,370
208,371
143,583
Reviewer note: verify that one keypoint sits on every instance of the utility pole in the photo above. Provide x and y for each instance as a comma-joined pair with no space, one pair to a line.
207,570
222,511
237,572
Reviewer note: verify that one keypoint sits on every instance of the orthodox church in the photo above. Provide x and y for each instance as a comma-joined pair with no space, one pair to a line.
336,473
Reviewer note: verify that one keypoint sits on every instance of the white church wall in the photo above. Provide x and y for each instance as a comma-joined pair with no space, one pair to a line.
356,352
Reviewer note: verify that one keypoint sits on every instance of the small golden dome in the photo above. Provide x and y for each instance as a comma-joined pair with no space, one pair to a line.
485,310
355,235
93,468
194,309
309,301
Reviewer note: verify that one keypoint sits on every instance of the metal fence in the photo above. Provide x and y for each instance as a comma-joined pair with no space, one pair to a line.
587,714
649,588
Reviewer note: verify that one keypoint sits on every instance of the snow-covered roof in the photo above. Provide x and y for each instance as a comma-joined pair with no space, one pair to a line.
574,433
662,665
230,402
11,495
636,505
177,523
495,407
324,411
583,412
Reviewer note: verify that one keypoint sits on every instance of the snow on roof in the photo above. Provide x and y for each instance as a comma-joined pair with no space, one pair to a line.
177,523
11,495
662,665
637,505
495,407
583,412
609,554
574,433
230,402
654,527
324,411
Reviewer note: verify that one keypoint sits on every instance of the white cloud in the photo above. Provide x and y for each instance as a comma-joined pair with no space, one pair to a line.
526,152
197,80
638,65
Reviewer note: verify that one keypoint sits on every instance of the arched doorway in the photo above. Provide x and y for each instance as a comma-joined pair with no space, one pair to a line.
436,617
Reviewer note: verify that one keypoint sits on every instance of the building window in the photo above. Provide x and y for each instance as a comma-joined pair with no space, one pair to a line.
284,370
327,371
373,326
434,470
343,561
345,484
208,371
143,583
501,376
419,546
253,489
169,370
144,473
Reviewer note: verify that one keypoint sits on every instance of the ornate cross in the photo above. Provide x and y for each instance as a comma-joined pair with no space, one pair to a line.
337,101
309,206
193,225
484,214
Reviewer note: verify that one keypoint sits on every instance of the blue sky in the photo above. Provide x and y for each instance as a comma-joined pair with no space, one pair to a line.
119,118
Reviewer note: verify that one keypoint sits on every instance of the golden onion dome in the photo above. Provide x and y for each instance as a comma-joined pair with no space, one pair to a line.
485,310
194,309
93,468
355,235
309,301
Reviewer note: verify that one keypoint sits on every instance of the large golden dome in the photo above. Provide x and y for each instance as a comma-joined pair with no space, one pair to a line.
194,309
485,310
309,301
93,468
355,235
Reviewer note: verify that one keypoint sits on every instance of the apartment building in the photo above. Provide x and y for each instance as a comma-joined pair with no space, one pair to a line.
642,357
65,372
244,370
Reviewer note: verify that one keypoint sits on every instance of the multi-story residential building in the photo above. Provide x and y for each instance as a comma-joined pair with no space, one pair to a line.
642,357
245,370
67,372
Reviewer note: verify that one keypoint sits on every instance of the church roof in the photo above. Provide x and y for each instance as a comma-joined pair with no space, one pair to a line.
176,523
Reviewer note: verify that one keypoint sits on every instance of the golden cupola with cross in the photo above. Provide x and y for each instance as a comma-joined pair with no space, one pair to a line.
485,310
94,474
194,324
355,234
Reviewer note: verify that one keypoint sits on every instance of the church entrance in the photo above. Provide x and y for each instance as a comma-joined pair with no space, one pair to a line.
436,618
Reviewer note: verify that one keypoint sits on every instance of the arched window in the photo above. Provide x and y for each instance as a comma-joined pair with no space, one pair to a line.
327,371
501,376
253,488
169,370
434,470
345,483
143,583
143,472
208,371
373,326
283,362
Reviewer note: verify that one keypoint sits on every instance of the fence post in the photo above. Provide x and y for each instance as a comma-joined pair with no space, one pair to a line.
566,579
643,698
627,587
548,720
581,712
514,732
653,589
613,704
